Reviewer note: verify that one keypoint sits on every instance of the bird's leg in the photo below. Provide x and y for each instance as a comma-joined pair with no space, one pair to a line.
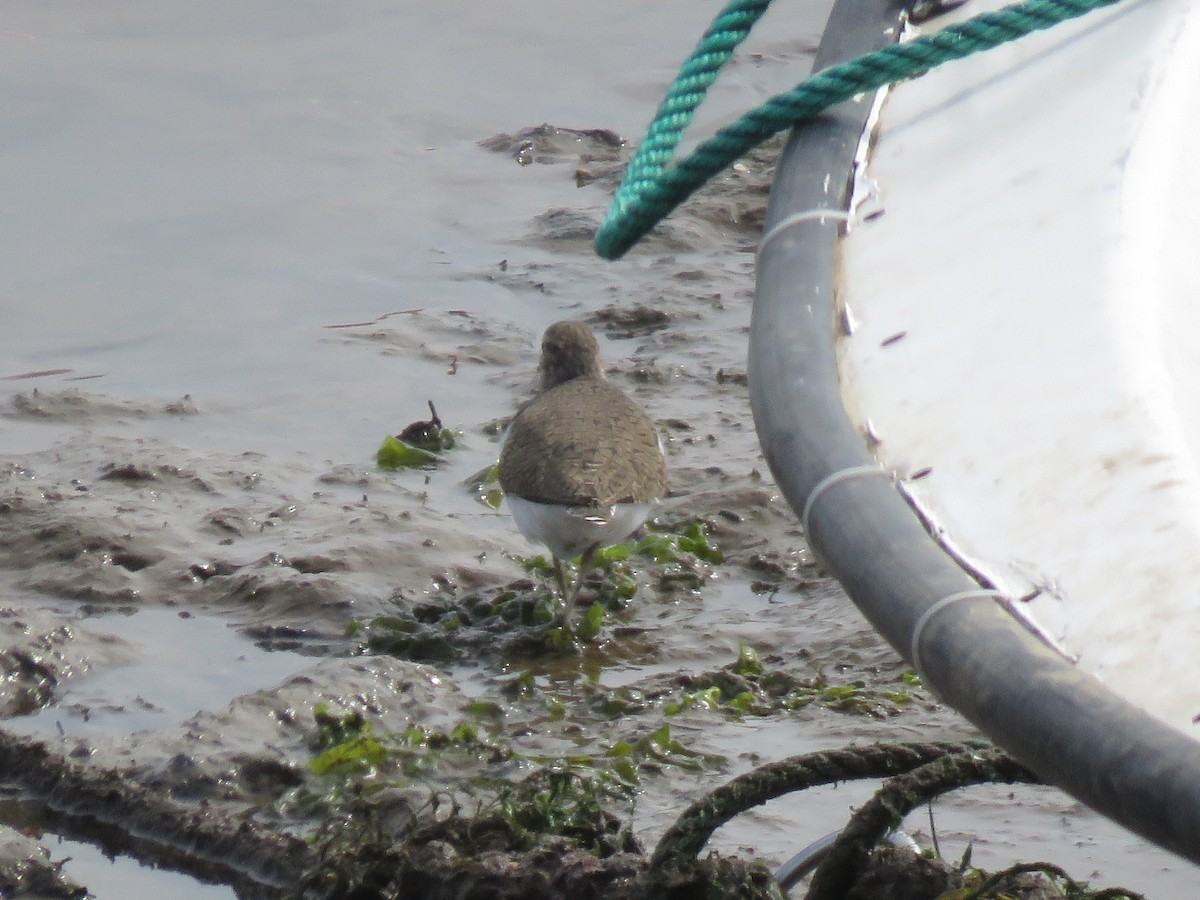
561,577
585,563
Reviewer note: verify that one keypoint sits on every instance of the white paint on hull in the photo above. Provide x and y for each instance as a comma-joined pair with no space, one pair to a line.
1040,254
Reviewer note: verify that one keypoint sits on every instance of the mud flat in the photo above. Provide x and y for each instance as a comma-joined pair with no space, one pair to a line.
213,599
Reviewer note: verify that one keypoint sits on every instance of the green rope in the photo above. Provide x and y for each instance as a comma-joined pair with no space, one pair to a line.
683,840
896,799
649,191
695,77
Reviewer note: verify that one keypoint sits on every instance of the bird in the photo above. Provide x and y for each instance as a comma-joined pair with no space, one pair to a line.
582,464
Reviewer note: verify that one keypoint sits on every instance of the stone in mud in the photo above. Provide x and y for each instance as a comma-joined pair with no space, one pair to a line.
28,682
133,473
629,321
562,225
26,870
606,175
552,144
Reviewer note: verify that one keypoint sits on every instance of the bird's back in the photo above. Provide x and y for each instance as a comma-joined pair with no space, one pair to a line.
583,443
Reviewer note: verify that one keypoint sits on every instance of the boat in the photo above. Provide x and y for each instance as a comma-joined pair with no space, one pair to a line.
972,375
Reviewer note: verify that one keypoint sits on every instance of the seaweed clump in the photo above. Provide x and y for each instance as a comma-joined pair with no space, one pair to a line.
549,836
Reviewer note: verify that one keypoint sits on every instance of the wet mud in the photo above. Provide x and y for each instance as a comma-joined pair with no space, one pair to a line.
233,644
26,869
435,706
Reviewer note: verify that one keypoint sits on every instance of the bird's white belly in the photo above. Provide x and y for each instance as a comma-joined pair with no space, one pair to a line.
569,530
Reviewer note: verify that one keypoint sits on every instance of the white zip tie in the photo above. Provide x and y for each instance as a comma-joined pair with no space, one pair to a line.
923,622
809,215
829,481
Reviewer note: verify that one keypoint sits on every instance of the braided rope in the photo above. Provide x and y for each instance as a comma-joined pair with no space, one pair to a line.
691,831
896,799
649,191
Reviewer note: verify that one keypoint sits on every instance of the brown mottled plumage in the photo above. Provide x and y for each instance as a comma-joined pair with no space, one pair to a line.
581,462
583,443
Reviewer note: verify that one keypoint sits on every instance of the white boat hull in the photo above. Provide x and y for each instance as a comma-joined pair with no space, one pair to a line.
1026,312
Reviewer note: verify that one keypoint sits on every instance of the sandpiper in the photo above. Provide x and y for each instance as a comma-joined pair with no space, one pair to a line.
581,465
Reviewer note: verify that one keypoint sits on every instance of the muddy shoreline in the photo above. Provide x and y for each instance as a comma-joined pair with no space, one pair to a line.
408,609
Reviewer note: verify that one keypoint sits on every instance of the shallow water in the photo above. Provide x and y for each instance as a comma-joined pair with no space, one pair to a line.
122,877
162,667
248,242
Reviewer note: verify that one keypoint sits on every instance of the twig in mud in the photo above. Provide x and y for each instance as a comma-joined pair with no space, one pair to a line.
933,831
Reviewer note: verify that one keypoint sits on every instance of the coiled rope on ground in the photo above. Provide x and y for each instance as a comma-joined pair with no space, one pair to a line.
695,826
